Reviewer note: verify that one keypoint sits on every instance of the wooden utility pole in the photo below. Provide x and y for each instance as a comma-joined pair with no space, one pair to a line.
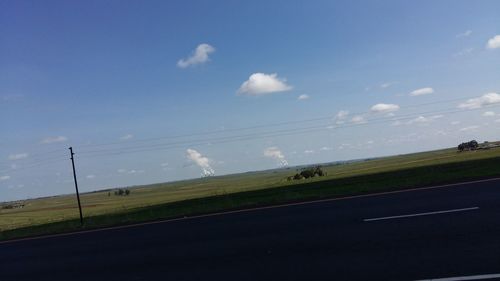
76,185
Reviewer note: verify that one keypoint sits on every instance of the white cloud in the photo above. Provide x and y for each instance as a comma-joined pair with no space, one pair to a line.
344,146
200,55
497,121
358,119
303,97
200,160
308,151
325,148
397,123
454,123
49,140
464,34
125,171
4,178
463,52
126,137
275,153
469,128
487,99
387,84
165,164
422,91
494,42
423,119
18,156
341,116
384,108
489,114
90,177
260,84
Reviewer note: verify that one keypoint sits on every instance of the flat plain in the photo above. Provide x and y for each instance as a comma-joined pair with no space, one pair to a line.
197,196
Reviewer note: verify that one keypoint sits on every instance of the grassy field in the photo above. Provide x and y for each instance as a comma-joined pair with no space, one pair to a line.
198,196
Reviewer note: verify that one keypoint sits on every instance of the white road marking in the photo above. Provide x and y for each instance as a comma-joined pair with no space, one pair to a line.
422,214
460,278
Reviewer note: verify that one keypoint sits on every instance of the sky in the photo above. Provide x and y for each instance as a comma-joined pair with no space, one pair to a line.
156,91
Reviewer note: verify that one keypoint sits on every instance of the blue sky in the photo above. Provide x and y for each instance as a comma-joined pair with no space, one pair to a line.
120,76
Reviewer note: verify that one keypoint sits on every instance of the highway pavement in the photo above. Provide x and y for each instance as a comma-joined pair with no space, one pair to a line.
447,231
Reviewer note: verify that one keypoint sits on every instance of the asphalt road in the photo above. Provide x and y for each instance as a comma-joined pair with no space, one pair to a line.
451,231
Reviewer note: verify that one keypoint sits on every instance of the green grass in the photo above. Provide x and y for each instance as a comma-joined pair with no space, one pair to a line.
168,200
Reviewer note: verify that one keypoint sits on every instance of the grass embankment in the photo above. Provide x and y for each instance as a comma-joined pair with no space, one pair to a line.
418,175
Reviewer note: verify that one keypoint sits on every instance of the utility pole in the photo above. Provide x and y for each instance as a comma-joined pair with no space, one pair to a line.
76,185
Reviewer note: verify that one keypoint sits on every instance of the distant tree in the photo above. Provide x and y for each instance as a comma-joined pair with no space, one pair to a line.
298,176
307,173
127,192
471,145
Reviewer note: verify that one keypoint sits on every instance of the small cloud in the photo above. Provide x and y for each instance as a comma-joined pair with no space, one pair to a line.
463,52
397,123
494,42
308,151
487,99
4,178
121,171
387,84
358,119
340,117
454,123
199,56
18,156
422,91
127,137
469,128
164,164
303,97
422,119
259,84
344,146
275,153
489,114
384,108
49,140
200,160
497,121
464,34
325,148
90,177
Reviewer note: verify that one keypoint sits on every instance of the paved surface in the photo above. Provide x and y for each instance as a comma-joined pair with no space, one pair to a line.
335,240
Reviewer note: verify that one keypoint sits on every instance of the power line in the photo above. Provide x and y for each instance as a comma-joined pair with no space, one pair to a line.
236,138
259,126
34,165
268,132
228,139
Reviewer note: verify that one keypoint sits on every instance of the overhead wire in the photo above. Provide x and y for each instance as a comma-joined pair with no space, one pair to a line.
330,117
286,132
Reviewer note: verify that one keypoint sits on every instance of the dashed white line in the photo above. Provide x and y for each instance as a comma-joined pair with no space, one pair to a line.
462,278
422,214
